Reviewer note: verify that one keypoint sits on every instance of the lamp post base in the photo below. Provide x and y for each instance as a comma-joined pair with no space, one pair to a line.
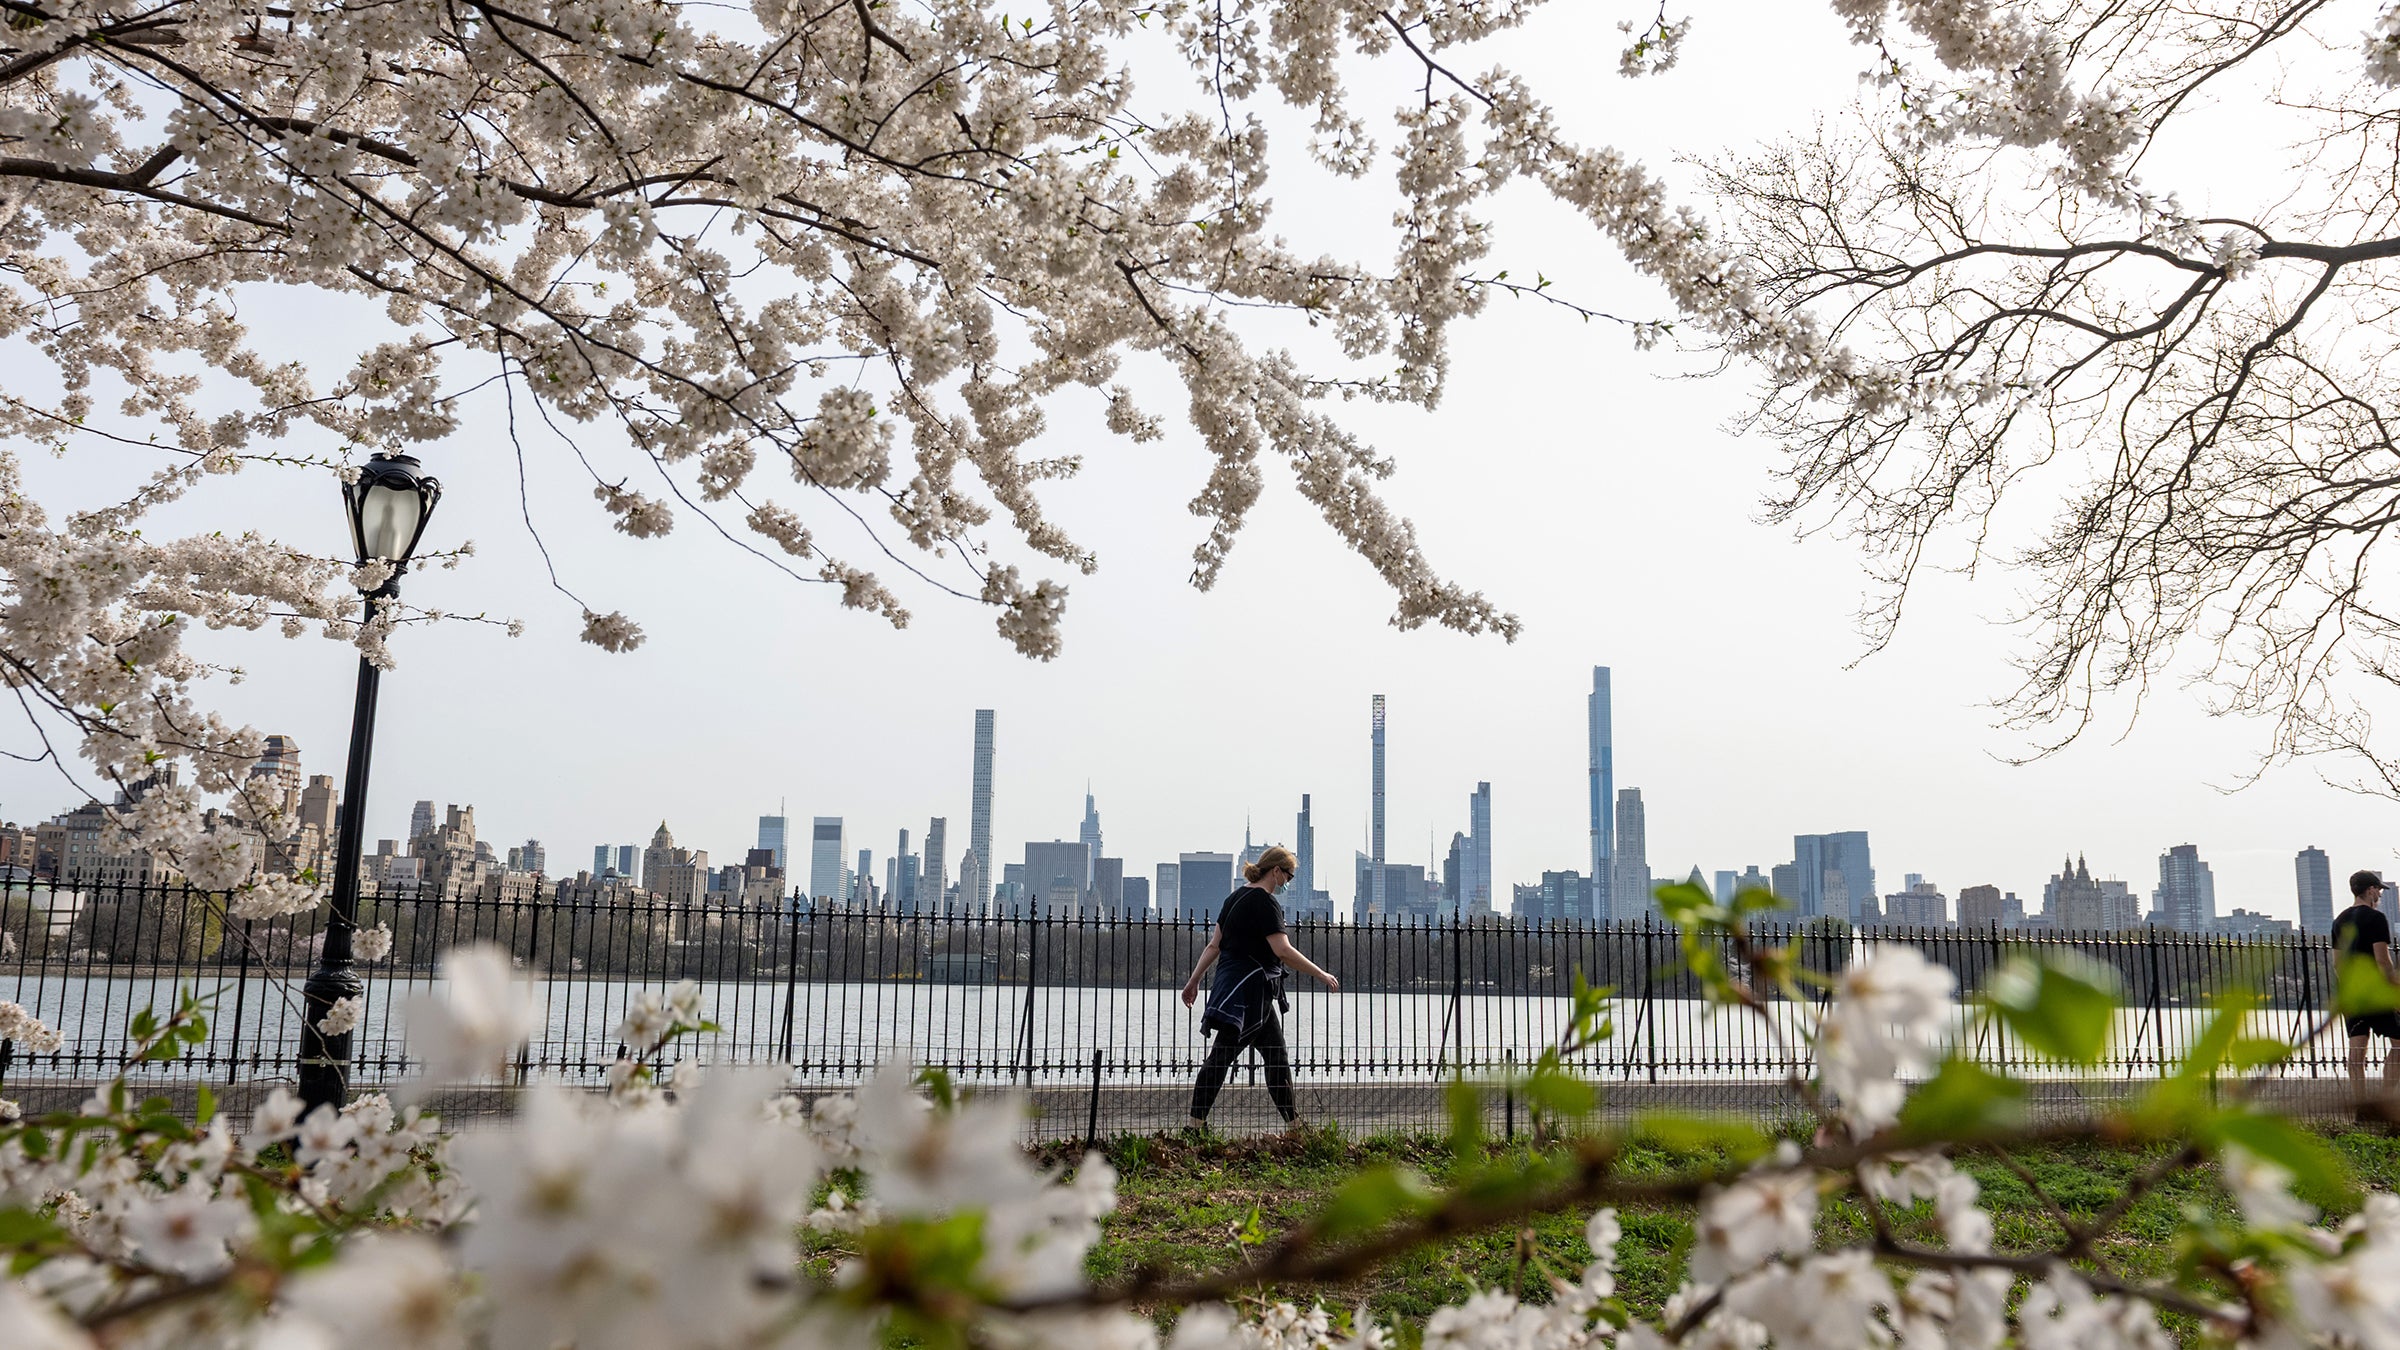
325,1060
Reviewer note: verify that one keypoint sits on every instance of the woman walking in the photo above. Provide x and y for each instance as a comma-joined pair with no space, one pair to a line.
1250,951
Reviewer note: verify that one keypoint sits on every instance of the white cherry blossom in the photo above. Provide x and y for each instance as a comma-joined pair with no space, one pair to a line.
372,944
1752,1221
483,1013
341,1016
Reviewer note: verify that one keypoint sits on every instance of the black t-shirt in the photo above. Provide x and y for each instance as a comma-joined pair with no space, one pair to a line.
2357,929
1250,916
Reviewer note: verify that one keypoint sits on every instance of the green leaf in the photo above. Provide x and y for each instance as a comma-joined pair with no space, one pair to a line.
2360,988
21,1228
1465,1103
937,1084
2170,1106
1964,1101
2214,1045
2063,1006
1553,1091
204,1108
2312,1164
2251,1052
1687,906
1253,1231
1370,1199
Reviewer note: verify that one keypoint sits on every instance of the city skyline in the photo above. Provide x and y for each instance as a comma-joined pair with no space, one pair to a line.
1829,874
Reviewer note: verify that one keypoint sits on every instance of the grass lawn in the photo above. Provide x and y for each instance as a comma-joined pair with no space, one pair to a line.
1181,1203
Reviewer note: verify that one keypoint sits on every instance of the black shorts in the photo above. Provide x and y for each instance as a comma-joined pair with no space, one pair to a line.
2384,1024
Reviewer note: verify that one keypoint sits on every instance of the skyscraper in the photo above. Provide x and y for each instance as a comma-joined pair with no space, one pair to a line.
828,879
420,821
1375,878
979,813
1561,898
1091,825
599,861
2315,875
862,881
625,856
1304,846
1603,794
1981,907
1108,886
770,836
900,891
1206,879
1726,886
276,779
2187,891
656,857
1629,885
1059,865
1475,889
1169,897
934,887
1818,860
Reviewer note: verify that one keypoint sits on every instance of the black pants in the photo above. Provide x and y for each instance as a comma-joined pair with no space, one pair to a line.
1264,1035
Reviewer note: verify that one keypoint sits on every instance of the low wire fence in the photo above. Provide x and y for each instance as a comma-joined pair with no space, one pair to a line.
1083,1011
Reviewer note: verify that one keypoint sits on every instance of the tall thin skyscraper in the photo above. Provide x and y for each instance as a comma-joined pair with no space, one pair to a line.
599,861
2316,890
937,872
899,887
1604,793
1091,824
770,836
1304,844
420,820
625,857
863,880
1475,889
1376,898
979,815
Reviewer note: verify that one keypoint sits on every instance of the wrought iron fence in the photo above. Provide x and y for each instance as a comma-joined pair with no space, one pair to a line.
1067,1006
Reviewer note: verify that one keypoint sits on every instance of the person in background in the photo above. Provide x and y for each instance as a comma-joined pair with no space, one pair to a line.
1250,952
2363,931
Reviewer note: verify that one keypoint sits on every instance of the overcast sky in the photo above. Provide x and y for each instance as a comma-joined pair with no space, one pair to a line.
1581,484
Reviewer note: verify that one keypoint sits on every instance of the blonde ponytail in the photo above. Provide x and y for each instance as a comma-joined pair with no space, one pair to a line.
1276,858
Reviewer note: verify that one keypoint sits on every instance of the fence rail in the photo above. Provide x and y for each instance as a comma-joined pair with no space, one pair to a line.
1043,1001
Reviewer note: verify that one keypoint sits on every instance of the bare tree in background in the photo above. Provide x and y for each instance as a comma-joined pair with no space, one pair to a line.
2199,405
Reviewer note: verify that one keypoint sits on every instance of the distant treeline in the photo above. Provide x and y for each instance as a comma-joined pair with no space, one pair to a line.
173,927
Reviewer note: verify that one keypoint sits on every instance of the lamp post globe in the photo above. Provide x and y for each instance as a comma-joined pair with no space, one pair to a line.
388,503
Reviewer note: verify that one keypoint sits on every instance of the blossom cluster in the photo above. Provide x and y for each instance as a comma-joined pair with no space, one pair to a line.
28,1032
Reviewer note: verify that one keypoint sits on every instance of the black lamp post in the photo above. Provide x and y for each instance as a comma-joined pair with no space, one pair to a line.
389,505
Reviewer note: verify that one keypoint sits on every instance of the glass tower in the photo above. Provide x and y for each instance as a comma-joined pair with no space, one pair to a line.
1376,899
770,836
979,816
1603,794
2315,875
